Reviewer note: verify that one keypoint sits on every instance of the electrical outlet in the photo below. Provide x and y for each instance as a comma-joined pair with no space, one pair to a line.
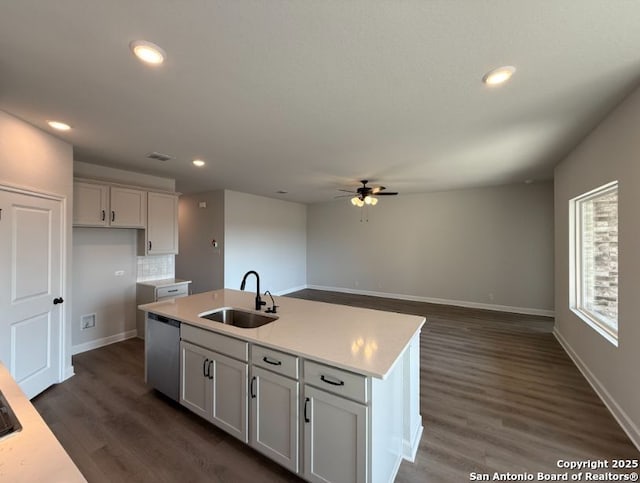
87,321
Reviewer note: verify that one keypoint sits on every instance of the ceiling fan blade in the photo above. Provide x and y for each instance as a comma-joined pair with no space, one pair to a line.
347,191
377,189
387,193
343,196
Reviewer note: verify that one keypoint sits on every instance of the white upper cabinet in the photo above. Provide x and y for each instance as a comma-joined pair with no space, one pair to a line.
103,205
117,206
128,208
162,224
90,204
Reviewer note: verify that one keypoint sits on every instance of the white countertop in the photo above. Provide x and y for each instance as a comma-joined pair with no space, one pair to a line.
360,340
33,454
163,282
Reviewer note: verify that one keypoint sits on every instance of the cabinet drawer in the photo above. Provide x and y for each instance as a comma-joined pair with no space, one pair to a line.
276,361
172,291
332,379
222,344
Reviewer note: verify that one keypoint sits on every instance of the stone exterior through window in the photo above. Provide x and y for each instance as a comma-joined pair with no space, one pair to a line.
595,259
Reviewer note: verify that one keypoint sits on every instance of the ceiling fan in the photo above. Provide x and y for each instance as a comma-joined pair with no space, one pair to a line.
366,195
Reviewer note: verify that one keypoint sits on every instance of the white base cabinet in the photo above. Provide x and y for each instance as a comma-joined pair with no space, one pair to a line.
155,291
343,428
274,417
214,386
195,384
335,438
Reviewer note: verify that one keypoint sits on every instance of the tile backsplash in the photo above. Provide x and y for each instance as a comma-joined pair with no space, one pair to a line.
156,267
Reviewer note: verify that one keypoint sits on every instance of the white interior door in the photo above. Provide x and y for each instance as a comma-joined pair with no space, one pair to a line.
30,289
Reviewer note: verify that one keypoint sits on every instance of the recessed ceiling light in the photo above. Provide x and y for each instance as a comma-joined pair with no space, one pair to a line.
147,52
498,76
198,162
60,126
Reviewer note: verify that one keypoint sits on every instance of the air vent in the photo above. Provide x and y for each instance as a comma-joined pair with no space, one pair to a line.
159,156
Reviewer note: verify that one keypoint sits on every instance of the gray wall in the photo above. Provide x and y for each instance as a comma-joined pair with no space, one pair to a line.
32,159
198,260
484,247
97,254
610,152
266,235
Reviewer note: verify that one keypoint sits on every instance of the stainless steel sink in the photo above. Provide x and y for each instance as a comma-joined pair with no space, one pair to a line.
239,318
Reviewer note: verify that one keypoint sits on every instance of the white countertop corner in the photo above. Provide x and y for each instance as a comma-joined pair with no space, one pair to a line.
34,453
164,282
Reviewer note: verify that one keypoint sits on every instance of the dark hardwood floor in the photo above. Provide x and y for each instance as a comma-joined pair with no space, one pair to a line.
498,394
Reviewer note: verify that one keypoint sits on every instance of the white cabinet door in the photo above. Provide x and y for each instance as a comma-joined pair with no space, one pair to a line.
128,208
229,409
162,224
214,387
90,204
274,417
31,251
196,365
335,438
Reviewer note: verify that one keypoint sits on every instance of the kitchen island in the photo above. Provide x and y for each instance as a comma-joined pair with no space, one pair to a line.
330,392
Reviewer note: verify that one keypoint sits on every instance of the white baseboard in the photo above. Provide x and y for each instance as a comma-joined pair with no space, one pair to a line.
94,344
68,373
432,300
291,290
411,447
618,413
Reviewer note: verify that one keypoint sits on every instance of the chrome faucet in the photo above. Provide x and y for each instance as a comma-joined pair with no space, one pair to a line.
259,301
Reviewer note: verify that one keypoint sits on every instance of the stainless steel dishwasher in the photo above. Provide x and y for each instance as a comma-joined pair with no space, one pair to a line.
162,355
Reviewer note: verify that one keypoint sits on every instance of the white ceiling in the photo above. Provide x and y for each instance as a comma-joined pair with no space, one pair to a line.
311,95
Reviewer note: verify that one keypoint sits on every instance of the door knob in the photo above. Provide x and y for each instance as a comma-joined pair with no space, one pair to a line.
58,300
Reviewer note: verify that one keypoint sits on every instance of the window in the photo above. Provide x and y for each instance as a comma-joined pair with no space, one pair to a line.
594,259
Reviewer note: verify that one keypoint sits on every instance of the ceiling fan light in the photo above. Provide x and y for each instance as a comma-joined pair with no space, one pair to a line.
374,201
360,203
367,199
354,201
